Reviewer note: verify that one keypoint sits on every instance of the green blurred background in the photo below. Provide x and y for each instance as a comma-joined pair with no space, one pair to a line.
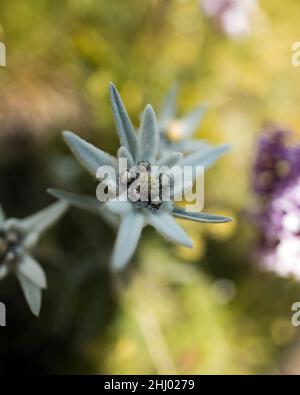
209,310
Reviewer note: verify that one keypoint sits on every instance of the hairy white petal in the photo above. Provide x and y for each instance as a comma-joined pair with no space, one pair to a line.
42,220
124,153
170,159
32,271
204,157
168,108
191,145
32,293
127,239
90,157
125,129
148,136
191,121
166,225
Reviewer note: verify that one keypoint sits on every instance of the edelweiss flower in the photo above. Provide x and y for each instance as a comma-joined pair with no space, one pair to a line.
176,133
17,238
140,149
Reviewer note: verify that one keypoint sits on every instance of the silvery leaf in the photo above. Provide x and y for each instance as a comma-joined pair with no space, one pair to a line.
127,239
32,270
88,203
170,159
125,128
168,109
125,154
148,136
32,293
191,121
204,157
2,216
43,219
200,217
166,225
90,157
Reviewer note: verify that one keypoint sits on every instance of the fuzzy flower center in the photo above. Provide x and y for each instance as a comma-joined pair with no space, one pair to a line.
9,243
144,188
174,131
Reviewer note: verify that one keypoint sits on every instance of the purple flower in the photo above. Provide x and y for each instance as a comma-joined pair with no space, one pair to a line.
276,165
277,186
281,247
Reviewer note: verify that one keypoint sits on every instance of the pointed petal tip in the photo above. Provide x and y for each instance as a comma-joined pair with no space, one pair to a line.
113,90
66,133
53,192
32,293
149,109
150,115
187,241
36,313
50,191
117,265
176,86
226,147
200,216
174,89
189,244
119,262
149,106
68,136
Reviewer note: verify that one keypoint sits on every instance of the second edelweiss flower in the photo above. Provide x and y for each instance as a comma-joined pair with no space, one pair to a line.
17,239
176,133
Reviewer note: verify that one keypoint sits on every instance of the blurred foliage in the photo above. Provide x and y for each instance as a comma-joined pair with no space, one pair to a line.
211,310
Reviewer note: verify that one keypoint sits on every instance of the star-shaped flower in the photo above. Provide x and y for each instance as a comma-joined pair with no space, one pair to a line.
17,239
140,150
176,133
